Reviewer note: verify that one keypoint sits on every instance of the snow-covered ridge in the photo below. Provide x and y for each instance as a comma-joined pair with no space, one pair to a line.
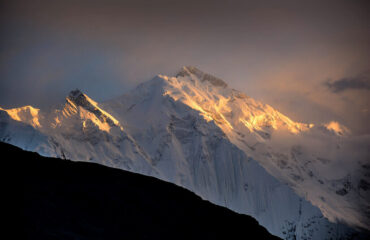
226,106
290,151
26,114
195,131
80,99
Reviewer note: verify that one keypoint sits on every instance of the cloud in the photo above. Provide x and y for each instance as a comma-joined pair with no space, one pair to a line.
361,82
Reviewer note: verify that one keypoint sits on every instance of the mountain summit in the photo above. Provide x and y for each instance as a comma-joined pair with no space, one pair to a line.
298,180
190,71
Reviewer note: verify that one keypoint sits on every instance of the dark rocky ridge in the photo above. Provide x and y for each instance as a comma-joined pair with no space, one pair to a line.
78,98
61,199
186,71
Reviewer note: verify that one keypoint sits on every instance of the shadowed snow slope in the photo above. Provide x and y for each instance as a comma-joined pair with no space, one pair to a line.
298,180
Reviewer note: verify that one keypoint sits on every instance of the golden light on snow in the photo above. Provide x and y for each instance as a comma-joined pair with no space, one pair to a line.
95,104
71,109
230,107
26,114
336,127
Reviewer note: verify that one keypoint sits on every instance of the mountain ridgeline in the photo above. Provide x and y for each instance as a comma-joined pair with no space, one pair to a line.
298,180
61,199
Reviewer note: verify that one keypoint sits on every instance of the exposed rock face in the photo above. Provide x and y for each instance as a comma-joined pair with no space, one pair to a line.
189,70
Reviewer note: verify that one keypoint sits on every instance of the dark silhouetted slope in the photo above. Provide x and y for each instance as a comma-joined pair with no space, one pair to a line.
61,199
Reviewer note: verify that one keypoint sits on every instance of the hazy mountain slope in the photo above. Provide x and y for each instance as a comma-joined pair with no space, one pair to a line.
68,200
194,131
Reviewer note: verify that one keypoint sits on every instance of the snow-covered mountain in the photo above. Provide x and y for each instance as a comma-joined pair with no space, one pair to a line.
298,180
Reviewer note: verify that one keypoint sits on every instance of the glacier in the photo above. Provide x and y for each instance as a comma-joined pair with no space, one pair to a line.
299,180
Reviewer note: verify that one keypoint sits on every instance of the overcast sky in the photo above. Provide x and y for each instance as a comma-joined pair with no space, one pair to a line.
308,59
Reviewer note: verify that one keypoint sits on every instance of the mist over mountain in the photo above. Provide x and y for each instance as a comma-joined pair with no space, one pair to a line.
298,180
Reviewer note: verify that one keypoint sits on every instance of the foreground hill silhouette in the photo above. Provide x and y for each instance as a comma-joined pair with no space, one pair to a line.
61,199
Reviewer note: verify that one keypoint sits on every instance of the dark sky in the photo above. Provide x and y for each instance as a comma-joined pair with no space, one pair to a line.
308,59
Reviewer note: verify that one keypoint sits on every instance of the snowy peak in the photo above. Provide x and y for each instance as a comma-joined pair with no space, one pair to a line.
190,71
78,110
26,114
228,108
78,103
195,131
233,110
77,98
176,117
291,151
75,93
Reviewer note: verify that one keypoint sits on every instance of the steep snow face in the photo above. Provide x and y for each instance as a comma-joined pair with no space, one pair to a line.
193,130
192,151
321,163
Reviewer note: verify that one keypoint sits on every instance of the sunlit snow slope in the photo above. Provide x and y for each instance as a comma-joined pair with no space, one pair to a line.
195,131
